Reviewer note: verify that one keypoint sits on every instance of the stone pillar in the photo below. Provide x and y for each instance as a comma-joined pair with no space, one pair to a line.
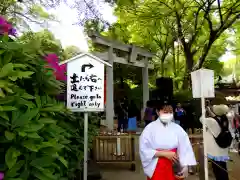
145,83
110,92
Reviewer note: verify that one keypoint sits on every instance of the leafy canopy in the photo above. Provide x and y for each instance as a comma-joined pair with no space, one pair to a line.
195,25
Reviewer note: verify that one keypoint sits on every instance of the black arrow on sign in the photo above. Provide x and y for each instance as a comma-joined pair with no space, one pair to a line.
86,65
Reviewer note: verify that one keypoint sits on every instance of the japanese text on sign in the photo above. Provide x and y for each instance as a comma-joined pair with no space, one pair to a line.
85,84
78,83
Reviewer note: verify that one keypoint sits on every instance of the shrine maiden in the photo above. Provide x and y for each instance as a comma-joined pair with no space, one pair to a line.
163,143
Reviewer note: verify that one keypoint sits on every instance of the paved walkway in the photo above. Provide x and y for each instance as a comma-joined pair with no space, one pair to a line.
128,175
120,172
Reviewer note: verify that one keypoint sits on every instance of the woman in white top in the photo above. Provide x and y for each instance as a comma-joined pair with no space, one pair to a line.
218,155
162,143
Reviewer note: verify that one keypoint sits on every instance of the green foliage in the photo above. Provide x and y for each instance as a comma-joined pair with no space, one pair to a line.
43,40
229,66
75,149
70,52
39,137
156,25
94,25
183,96
46,43
21,13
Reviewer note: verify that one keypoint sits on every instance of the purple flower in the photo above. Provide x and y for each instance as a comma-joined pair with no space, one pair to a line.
12,32
2,20
1,175
6,27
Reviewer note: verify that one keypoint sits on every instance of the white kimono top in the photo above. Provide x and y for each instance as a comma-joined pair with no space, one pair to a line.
157,136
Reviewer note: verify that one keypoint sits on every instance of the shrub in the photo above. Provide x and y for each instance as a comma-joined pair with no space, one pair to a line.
31,138
39,137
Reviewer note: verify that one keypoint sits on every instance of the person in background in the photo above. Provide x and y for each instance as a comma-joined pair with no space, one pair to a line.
164,144
231,118
148,114
209,110
234,127
132,117
122,115
237,131
180,116
217,123
190,118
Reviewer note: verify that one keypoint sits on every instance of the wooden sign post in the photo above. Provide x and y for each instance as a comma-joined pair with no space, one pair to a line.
203,87
85,90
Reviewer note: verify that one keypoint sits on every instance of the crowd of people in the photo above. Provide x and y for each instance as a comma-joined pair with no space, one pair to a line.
181,116
165,149
129,115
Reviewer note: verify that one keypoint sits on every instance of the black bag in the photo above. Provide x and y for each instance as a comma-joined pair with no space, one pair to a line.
177,168
224,139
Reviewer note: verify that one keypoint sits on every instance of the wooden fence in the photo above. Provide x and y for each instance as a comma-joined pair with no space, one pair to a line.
115,149
107,149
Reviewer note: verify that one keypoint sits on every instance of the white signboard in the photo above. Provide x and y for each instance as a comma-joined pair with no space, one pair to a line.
203,79
85,84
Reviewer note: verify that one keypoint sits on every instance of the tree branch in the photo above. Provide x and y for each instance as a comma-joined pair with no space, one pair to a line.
207,17
196,27
226,25
220,12
28,18
213,36
206,49
180,30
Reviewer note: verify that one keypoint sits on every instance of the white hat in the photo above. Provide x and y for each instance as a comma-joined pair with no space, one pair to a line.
220,110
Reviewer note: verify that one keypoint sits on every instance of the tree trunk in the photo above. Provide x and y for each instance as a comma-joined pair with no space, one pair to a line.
188,69
178,55
174,66
174,60
178,63
186,80
162,62
162,67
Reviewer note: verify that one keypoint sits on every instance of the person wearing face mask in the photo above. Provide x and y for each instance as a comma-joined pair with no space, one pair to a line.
164,144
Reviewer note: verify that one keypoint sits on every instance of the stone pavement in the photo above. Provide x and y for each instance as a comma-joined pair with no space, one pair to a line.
121,172
128,175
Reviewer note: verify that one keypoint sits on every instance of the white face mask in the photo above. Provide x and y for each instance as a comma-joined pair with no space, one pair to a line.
166,118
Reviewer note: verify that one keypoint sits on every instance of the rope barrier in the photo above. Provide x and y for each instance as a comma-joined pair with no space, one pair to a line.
229,172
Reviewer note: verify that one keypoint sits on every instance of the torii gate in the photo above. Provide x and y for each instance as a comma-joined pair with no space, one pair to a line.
111,58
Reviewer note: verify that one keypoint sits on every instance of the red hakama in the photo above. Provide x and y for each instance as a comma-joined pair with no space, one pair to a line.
164,170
